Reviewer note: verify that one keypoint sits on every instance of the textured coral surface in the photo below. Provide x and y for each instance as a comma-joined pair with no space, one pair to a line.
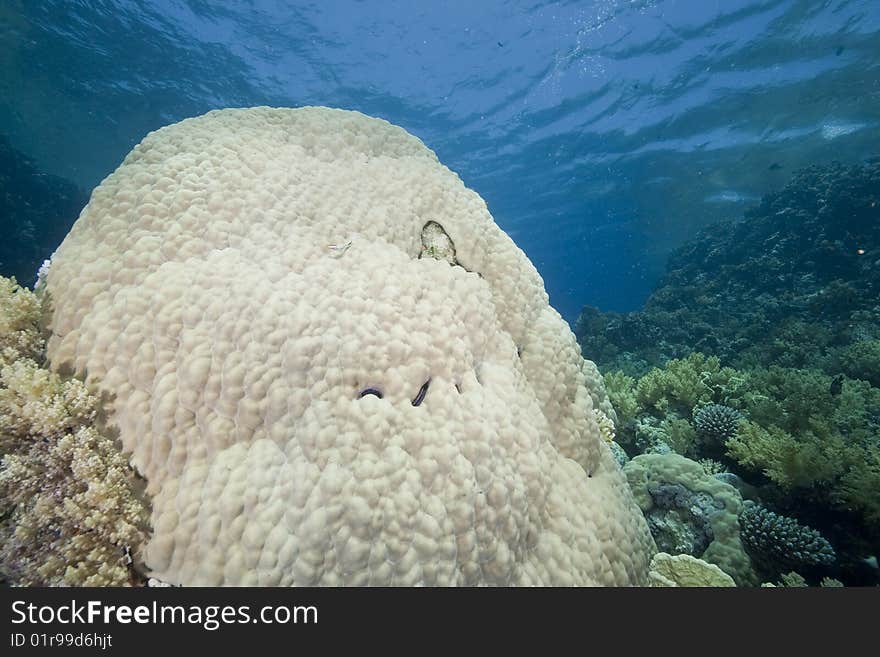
317,396
691,511
685,570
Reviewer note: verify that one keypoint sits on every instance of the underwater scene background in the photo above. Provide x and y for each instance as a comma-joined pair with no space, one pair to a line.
697,183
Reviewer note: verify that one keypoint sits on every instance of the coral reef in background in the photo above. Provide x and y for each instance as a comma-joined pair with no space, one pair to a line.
70,513
779,431
795,282
36,211
758,354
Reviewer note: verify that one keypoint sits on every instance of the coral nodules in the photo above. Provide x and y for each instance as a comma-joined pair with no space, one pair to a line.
717,423
258,290
777,542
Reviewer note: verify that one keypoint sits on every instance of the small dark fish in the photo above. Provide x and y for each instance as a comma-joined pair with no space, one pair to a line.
839,51
836,385
500,45
420,397
774,167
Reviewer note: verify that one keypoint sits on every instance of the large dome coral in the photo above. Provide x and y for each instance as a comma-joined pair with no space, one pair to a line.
332,366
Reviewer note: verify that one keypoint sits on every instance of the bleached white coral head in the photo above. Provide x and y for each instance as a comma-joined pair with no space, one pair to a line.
333,367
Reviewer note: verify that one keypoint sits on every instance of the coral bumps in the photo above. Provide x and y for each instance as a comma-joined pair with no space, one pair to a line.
781,542
333,368
717,423
70,513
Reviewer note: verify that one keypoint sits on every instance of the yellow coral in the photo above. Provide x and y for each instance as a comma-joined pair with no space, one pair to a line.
70,514
34,401
85,539
20,335
788,461
606,426
621,394
687,382
685,570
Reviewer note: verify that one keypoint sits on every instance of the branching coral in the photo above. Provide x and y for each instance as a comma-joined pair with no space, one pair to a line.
68,502
803,437
35,402
606,426
686,383
712,467
716,423
796,580
861,360
860,485
777,542
621,393
786,460
20,335
679,435
73,516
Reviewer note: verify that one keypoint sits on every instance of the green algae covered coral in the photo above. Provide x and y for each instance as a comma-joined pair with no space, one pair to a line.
69,510
691,512
800,430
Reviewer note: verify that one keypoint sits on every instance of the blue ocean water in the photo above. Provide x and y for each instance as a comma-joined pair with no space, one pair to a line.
601,133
